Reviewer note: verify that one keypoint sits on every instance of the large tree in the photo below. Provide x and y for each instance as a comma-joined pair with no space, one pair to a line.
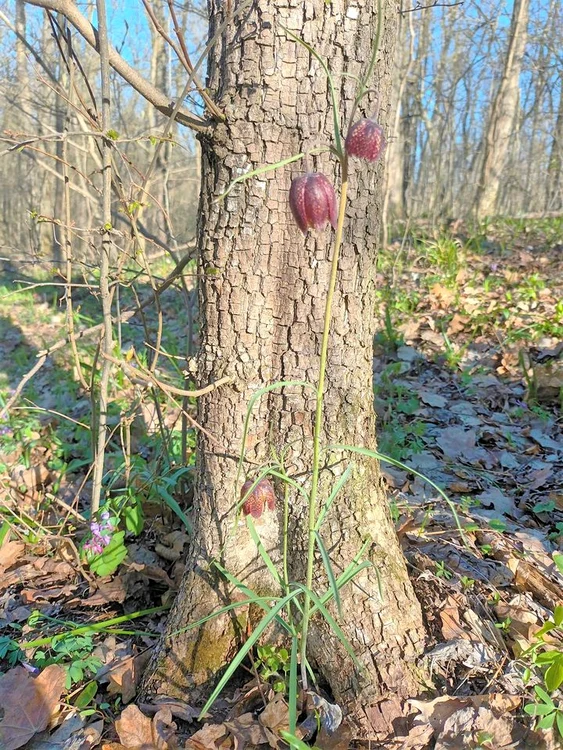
262,302
502,125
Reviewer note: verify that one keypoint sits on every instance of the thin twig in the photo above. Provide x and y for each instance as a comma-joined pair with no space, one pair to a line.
65,228
146,378
106,344
147,90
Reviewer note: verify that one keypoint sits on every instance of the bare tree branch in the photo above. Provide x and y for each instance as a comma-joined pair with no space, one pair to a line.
149,92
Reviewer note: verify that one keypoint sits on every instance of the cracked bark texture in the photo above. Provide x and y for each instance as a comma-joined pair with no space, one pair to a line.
262,299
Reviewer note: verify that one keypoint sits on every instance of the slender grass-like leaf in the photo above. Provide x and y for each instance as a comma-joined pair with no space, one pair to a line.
256,172
252,595
262,551
332,88
387,459
254,398
175,507
245,648
288,480
96,627
326,506
268,168
294,742
329,572
293,685
223,610
334,626
351,573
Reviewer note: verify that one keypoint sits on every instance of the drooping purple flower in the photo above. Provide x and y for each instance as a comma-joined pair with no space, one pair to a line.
365,140
262,496
313,202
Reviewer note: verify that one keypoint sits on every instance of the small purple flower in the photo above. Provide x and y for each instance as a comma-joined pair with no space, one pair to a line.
313,201
101,534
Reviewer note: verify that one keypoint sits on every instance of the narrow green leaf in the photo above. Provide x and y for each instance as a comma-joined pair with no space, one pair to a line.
334,626
245,648
400,465
558,615
545,628
558,560
174,506
547,657
329,572
252,595
290,481
255,172
294,742
262,551
259,393
223,610
4,531
332,497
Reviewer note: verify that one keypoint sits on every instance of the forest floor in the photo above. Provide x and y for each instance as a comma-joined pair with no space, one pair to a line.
468,374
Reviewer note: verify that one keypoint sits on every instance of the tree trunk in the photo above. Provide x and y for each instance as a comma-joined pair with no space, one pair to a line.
554,187
503,114
394,201
262,298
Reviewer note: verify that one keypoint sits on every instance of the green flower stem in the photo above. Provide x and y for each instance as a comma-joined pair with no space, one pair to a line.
96,627
319,419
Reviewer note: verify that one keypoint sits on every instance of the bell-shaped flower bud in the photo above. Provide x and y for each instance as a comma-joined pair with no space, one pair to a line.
313,201
365,140
262,496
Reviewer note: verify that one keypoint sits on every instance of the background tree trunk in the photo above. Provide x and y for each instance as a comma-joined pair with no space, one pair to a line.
503,115
262,304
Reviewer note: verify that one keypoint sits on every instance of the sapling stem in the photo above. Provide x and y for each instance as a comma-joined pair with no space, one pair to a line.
319,418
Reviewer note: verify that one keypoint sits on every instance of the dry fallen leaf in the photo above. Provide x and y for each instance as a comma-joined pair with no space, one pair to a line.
125,676
247,732
178,708
207,738
71,735
437,711
135,730
276,715
10,552
28,703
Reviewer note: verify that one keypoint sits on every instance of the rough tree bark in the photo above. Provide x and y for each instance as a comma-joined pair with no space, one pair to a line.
503,115
261,305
